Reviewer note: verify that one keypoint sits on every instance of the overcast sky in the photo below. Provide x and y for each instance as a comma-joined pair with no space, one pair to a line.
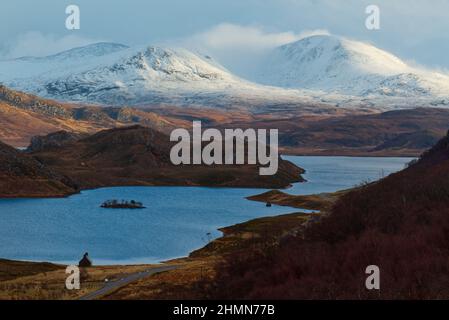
415,30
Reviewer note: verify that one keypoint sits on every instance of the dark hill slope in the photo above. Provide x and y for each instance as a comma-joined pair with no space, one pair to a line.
400,224
23,176
141,156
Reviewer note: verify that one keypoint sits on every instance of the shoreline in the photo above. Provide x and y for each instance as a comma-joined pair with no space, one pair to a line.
186,269
302,205
52,275
302,179
143,186
350,154
181,276
242,236
31,197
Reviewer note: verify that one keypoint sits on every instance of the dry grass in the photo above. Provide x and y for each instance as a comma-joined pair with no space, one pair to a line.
50,285
323,201
10,270
25,280
198,271
181,283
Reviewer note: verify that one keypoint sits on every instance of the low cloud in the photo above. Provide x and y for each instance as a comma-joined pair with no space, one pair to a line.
227,36
35,43
239,47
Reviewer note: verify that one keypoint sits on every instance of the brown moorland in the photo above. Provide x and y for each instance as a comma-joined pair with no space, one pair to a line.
303,130
342,132
23,116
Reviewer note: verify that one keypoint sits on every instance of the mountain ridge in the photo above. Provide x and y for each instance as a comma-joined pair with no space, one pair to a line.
139,75
319,71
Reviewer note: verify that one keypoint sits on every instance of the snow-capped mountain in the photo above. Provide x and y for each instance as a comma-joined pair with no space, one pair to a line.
337,65
115,74
317,71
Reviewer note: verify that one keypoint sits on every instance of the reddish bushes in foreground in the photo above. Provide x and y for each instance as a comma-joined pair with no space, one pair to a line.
400,224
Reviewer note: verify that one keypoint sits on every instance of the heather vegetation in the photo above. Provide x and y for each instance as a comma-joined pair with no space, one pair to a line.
400,223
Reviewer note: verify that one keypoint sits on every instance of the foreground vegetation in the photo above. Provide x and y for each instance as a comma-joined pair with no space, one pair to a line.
400,224
192,280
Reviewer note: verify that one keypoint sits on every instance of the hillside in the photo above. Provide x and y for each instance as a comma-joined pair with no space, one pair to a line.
392,133
140,156
303,131
400,224
23,116
23,176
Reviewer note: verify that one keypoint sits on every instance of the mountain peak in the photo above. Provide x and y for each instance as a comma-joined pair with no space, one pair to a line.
332,57
339,48
338,65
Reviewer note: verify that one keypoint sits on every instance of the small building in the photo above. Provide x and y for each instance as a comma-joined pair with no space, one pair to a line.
85,261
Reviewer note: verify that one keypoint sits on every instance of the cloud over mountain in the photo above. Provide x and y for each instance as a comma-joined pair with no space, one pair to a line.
238,47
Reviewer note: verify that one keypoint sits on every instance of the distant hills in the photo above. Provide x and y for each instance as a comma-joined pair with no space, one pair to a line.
335,132
391,133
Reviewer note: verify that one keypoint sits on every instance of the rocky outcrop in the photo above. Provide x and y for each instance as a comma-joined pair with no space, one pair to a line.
32,103
53,140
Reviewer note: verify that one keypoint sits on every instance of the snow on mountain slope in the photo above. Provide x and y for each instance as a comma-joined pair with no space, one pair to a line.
337,65
60,64
314,72
92,50
118,75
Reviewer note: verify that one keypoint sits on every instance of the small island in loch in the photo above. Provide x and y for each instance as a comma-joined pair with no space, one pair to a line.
115,204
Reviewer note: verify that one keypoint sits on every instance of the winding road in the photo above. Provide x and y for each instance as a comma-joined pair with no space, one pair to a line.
114,285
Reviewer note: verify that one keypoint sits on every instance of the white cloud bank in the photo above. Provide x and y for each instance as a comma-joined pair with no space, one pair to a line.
230,36
239,47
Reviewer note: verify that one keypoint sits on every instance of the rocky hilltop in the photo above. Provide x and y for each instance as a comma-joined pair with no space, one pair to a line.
53,140
399,223
23,176
392,133
23,116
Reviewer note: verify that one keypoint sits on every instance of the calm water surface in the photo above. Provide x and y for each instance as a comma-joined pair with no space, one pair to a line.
175,222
